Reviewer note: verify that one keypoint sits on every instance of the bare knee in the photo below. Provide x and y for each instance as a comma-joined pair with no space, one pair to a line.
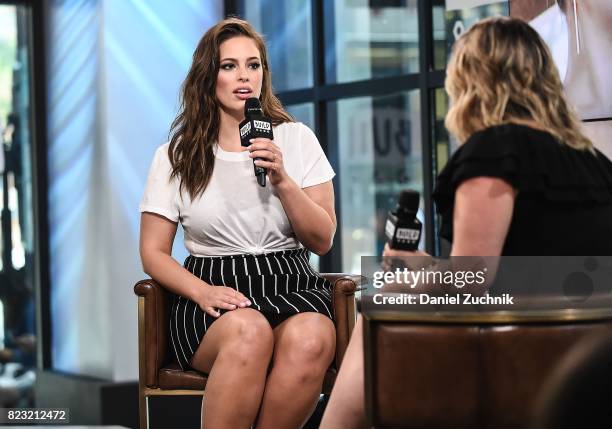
308,348
314,347
250,339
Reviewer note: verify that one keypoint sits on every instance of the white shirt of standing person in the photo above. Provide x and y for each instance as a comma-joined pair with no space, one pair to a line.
551,25
581,44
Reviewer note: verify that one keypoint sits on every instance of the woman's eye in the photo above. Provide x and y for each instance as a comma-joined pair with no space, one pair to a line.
227,66
254,66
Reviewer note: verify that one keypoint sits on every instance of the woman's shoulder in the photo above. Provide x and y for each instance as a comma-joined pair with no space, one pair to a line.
510,138
529,147
295,135
495,151
533,147
161,152
161,159
532,161
292,127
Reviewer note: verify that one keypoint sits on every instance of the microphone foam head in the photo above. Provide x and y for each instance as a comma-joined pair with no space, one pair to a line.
252,107
408,200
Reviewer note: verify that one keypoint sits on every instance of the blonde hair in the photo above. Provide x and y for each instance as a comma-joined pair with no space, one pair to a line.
502,72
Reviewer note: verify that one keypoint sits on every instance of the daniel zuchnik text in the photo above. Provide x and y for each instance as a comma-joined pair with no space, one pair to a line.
423,298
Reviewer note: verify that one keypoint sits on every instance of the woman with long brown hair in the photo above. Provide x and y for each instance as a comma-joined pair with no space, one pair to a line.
524,181
248,308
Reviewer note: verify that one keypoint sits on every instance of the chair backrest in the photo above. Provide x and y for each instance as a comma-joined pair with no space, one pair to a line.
462,375
577,394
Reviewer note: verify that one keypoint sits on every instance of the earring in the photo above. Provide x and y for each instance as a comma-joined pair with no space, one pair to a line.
576,28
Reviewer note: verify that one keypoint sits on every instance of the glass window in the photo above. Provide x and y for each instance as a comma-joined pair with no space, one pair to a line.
288,33
440,133
459,18
303,112
439,37
17,339
365,40
452,18
379,142
442,147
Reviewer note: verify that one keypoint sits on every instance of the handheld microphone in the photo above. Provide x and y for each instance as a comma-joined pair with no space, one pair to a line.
255,125
403,229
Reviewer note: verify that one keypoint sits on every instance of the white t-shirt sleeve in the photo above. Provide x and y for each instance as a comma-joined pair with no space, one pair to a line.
161,193
315,166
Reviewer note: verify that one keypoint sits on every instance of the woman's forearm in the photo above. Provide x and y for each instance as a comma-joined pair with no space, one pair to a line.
312,225
169,273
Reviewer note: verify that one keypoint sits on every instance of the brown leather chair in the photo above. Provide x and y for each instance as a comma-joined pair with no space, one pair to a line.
159,375
577,394
428,371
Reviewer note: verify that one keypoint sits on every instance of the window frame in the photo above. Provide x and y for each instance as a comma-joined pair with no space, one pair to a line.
321,94
38,121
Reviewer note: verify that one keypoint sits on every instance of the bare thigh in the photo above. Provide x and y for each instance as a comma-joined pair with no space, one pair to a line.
243,323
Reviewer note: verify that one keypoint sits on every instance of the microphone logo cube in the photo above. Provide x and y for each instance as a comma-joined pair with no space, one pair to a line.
245,129
262,125
403,234
254,128
407,234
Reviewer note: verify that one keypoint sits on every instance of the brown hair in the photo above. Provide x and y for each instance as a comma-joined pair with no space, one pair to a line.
196,128
501,71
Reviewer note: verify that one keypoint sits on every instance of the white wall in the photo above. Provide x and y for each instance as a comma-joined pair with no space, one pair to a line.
115,68
599,132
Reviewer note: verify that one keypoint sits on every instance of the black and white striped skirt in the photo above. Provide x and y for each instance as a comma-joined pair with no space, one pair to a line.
278,284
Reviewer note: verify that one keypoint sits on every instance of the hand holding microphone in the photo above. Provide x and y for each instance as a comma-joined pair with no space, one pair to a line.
256,134
403,229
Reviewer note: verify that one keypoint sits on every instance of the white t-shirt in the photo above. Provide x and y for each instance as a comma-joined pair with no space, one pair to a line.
235,215
552,27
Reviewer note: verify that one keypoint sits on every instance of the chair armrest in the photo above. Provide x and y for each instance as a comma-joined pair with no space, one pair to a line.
153,320
343,302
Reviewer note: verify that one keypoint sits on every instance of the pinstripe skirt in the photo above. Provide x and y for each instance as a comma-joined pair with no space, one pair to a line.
278,284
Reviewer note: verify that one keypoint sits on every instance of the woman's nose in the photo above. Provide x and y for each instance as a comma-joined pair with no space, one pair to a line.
242,74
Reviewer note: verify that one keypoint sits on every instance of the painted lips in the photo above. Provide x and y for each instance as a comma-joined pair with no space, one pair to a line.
243,94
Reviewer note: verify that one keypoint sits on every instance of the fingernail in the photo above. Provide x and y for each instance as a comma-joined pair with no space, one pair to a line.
251,140
248,302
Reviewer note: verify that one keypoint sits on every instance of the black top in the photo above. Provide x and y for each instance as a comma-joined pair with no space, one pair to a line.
564,200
